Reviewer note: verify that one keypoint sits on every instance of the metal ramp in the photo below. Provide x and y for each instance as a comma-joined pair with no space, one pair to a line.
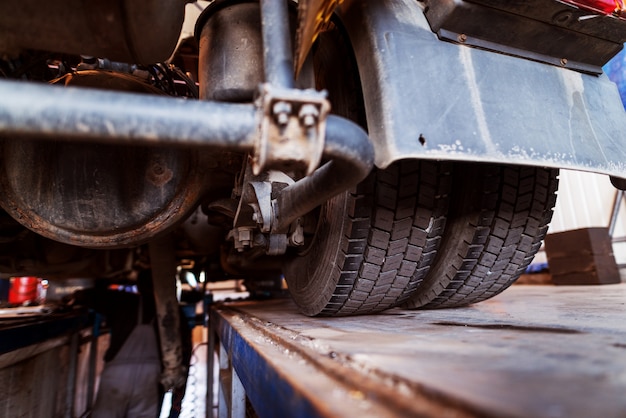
540,351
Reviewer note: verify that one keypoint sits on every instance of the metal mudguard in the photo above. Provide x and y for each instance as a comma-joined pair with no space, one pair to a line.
430,99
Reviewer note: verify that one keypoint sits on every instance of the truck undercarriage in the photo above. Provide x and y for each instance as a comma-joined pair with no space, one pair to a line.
396,154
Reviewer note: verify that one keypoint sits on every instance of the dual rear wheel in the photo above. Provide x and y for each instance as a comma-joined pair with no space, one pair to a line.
423,235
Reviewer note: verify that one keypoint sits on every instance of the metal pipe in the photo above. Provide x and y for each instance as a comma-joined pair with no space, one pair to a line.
82,114
87,115
617,202
352,158
277,52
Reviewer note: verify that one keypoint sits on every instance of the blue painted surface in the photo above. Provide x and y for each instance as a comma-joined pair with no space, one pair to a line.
270,394
616,70
37,331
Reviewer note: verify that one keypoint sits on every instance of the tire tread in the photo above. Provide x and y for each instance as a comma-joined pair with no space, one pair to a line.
515,208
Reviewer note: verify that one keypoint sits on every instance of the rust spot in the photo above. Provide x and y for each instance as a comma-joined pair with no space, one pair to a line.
169,323
159,173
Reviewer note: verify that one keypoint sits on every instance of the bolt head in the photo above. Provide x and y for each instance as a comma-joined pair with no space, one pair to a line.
308,115
282,119
308,121
281,112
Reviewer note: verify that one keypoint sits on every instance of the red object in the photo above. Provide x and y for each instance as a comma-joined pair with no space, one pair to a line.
602,6
23,290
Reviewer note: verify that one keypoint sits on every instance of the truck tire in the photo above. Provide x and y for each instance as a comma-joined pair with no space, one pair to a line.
491,236
373,246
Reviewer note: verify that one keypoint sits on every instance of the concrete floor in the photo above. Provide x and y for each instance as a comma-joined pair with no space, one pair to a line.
533,351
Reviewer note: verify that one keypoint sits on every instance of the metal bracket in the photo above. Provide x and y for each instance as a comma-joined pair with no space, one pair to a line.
263,213
293,126
256,215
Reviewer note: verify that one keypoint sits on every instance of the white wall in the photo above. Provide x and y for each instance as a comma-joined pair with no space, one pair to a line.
586,200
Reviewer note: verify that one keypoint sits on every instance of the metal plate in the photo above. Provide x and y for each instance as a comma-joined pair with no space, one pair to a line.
548,31
540,351
426,98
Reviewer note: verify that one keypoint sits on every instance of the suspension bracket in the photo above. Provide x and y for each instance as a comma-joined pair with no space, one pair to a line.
256,215
293,125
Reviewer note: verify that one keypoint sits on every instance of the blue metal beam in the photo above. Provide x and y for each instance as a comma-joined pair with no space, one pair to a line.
26,333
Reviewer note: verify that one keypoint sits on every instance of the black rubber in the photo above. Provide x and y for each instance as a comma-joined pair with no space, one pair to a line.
368,249
499,216
373,247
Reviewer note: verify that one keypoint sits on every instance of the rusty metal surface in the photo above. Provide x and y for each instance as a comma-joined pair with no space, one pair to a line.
292,130
97,195
163,264
109,118
538,351
286,374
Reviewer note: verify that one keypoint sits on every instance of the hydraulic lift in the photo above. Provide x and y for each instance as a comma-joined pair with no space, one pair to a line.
540,351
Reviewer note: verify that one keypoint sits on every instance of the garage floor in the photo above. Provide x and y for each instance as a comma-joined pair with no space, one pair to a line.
540,351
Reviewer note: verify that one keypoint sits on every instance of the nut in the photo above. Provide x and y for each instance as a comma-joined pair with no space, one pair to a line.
281,111
308,115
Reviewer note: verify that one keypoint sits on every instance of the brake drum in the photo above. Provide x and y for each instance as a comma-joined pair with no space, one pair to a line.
97,195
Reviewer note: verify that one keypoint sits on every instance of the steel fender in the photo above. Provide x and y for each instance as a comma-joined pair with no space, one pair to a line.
430,99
